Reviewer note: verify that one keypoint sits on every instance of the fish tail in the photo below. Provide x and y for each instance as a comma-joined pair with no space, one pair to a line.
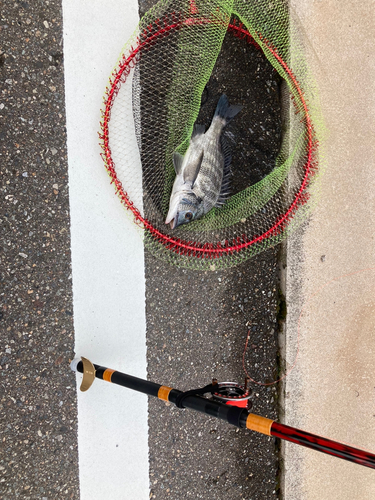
226,112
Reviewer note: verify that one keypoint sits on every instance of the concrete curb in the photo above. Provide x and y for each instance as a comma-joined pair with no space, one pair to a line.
330,265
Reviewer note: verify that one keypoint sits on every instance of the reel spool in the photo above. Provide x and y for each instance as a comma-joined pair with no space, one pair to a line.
233,394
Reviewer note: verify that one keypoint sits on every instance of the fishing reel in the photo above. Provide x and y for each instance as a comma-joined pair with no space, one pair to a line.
232,394
228,393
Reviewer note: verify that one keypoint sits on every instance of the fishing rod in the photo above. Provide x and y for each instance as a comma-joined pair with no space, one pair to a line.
227,401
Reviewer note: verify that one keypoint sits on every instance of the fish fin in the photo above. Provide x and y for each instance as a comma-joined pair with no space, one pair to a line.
227,154
198,130
227,173
223,197
221,201
191,170
222,107
232,112
177,162
226,112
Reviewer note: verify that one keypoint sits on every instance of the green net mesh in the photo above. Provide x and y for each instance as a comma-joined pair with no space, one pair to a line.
182,52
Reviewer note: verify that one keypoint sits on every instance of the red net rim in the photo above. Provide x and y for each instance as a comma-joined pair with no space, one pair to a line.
196,249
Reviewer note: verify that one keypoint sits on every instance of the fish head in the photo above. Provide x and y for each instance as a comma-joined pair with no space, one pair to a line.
183,209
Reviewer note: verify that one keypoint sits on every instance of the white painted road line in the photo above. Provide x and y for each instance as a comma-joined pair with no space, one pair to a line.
107,260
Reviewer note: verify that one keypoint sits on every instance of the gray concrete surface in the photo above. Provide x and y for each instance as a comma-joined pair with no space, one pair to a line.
330,267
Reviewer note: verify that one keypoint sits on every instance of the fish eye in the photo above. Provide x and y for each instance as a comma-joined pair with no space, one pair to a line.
188,215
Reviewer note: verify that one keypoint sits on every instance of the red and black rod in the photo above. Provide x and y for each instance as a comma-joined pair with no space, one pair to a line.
234,415
325,445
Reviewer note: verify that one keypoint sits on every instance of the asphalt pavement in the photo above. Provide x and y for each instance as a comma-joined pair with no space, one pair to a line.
197,322
38,415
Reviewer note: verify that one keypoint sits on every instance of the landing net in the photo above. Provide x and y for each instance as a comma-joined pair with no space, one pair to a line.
158,91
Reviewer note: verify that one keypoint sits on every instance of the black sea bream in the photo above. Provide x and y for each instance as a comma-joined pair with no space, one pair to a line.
202,175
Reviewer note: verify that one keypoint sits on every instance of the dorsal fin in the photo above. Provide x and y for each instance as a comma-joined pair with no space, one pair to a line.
227,173
227,153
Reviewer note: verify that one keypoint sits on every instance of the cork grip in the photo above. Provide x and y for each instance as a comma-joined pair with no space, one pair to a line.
259,424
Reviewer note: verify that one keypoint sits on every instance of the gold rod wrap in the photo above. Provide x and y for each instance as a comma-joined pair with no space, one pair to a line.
107,374
163,392
259,424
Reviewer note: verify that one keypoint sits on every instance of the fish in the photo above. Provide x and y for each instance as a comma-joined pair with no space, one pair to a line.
203,173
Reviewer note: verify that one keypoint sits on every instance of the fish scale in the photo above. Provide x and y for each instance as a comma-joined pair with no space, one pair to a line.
209,181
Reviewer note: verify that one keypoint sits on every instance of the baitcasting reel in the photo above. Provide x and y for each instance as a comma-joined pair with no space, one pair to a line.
232,394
